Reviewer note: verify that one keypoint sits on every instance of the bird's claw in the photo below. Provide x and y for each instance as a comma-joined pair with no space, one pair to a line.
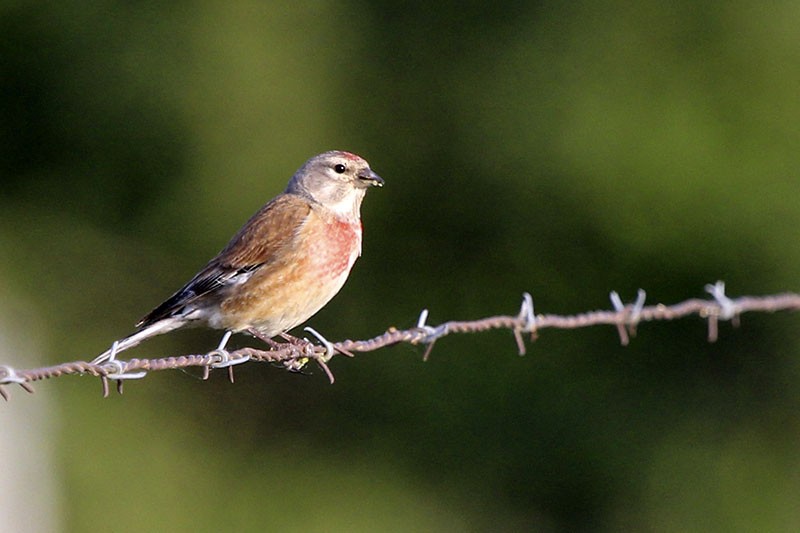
296,365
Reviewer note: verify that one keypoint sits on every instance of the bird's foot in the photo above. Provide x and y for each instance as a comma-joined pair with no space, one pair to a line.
329,348
306,350
275,345
296,341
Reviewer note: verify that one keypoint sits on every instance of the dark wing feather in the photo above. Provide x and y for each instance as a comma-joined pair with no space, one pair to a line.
271,231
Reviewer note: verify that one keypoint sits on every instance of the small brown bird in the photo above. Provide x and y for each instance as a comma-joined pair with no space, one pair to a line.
282,267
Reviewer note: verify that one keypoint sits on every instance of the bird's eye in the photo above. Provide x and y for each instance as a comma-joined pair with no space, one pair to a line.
340,168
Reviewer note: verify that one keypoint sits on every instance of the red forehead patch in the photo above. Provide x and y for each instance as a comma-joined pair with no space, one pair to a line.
351,157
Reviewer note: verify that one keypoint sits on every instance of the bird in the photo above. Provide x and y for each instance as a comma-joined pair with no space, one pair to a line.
287,261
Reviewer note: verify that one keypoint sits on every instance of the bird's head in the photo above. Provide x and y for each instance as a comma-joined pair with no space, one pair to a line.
337,180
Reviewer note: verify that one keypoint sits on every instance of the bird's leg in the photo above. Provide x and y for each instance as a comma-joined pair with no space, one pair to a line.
307,348
292,339
329,346
294,364
304,345
267,340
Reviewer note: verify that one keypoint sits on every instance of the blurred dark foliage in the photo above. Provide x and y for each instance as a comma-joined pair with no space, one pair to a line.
566,149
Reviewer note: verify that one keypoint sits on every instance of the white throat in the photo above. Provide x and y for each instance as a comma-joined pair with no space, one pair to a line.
349,205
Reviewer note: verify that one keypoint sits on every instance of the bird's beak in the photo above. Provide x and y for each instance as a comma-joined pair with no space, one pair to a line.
368,178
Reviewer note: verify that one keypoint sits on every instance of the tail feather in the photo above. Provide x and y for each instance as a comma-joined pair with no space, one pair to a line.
156,328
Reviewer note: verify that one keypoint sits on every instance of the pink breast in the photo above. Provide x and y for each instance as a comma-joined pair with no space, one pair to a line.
338,248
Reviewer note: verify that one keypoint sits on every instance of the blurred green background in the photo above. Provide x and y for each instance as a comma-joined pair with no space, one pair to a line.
562,148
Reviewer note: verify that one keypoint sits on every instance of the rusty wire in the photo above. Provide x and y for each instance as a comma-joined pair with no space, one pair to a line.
295,354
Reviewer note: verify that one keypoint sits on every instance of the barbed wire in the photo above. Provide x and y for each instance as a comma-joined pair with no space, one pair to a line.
295,354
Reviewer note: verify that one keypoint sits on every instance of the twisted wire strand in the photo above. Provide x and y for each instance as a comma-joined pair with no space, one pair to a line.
294,356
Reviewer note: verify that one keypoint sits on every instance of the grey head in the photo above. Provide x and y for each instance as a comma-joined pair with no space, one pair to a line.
337,180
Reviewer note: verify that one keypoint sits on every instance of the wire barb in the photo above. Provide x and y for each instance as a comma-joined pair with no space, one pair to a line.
428,335
322,359
118,372
9,376
527,319
222,359
629,315
725,309
225,359
115,369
